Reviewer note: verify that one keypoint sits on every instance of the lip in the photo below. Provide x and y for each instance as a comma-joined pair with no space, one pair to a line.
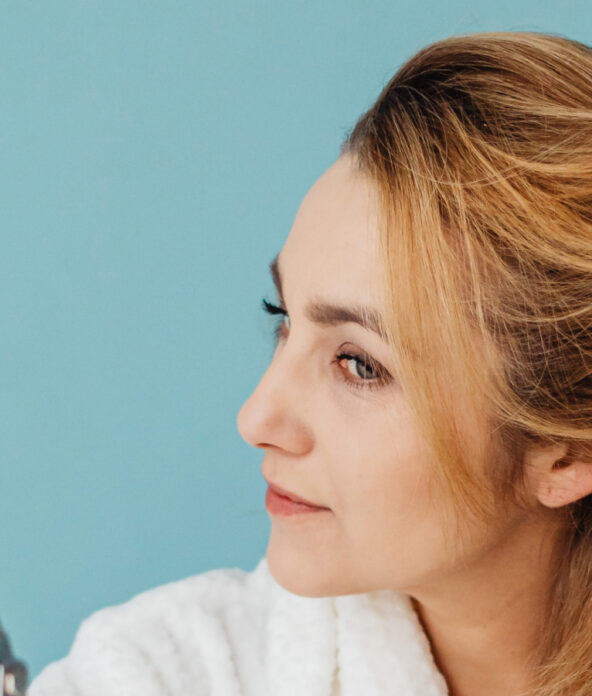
292,496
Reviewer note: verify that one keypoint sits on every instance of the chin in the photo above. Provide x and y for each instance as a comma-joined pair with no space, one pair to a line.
304,574
298,583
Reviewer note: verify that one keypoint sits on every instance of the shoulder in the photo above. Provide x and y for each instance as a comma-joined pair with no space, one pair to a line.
196,635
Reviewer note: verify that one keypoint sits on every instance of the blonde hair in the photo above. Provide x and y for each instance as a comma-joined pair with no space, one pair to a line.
481,149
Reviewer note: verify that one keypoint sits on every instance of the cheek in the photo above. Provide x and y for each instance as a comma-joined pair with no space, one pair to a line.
391,493
386,471
391,519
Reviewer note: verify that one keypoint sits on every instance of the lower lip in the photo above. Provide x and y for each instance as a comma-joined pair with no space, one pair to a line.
277,504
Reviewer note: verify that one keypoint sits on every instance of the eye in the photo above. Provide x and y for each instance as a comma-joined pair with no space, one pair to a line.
360,371
283,320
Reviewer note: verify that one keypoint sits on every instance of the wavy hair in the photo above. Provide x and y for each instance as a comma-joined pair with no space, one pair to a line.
481,149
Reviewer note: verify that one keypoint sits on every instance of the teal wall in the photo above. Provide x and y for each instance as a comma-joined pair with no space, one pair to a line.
152,157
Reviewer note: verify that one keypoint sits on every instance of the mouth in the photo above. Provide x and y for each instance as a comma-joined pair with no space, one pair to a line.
279,505
284,493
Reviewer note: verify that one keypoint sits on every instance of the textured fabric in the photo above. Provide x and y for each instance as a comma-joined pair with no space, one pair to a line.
228,632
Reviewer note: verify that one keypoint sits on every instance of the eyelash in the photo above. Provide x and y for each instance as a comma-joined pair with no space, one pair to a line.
382,377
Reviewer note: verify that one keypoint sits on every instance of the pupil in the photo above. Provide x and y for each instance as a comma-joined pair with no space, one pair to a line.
364,366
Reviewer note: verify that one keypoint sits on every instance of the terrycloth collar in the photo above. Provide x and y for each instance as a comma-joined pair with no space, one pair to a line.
373,642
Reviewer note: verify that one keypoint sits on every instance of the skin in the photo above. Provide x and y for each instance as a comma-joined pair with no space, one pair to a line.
359,453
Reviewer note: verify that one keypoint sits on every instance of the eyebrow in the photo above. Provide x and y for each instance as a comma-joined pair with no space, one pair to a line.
330,314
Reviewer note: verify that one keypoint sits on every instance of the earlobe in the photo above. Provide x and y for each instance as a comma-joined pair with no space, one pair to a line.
558,475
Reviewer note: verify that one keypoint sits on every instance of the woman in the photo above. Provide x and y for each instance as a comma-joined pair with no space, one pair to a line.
430,398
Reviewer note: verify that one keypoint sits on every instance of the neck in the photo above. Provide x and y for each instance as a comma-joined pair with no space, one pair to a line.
484,621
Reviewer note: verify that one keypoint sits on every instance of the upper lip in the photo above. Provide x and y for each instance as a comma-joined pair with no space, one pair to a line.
292,496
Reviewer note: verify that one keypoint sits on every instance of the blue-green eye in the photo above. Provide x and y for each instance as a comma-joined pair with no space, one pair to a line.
369,373
379,377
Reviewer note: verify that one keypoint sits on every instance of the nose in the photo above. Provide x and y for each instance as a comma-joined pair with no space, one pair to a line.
274,415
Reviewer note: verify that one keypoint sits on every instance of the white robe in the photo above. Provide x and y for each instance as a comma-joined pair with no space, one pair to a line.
229,632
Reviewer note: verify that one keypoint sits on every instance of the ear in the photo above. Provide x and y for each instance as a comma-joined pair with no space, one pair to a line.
558,474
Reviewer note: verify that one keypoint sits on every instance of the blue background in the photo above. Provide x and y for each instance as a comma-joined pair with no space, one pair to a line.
152,158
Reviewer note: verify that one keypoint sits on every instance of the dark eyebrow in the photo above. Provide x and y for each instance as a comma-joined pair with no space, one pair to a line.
331,314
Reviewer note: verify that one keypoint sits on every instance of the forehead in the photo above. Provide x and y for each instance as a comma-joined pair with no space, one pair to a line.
332,245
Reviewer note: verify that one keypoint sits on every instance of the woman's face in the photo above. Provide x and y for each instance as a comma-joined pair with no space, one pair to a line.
338,432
